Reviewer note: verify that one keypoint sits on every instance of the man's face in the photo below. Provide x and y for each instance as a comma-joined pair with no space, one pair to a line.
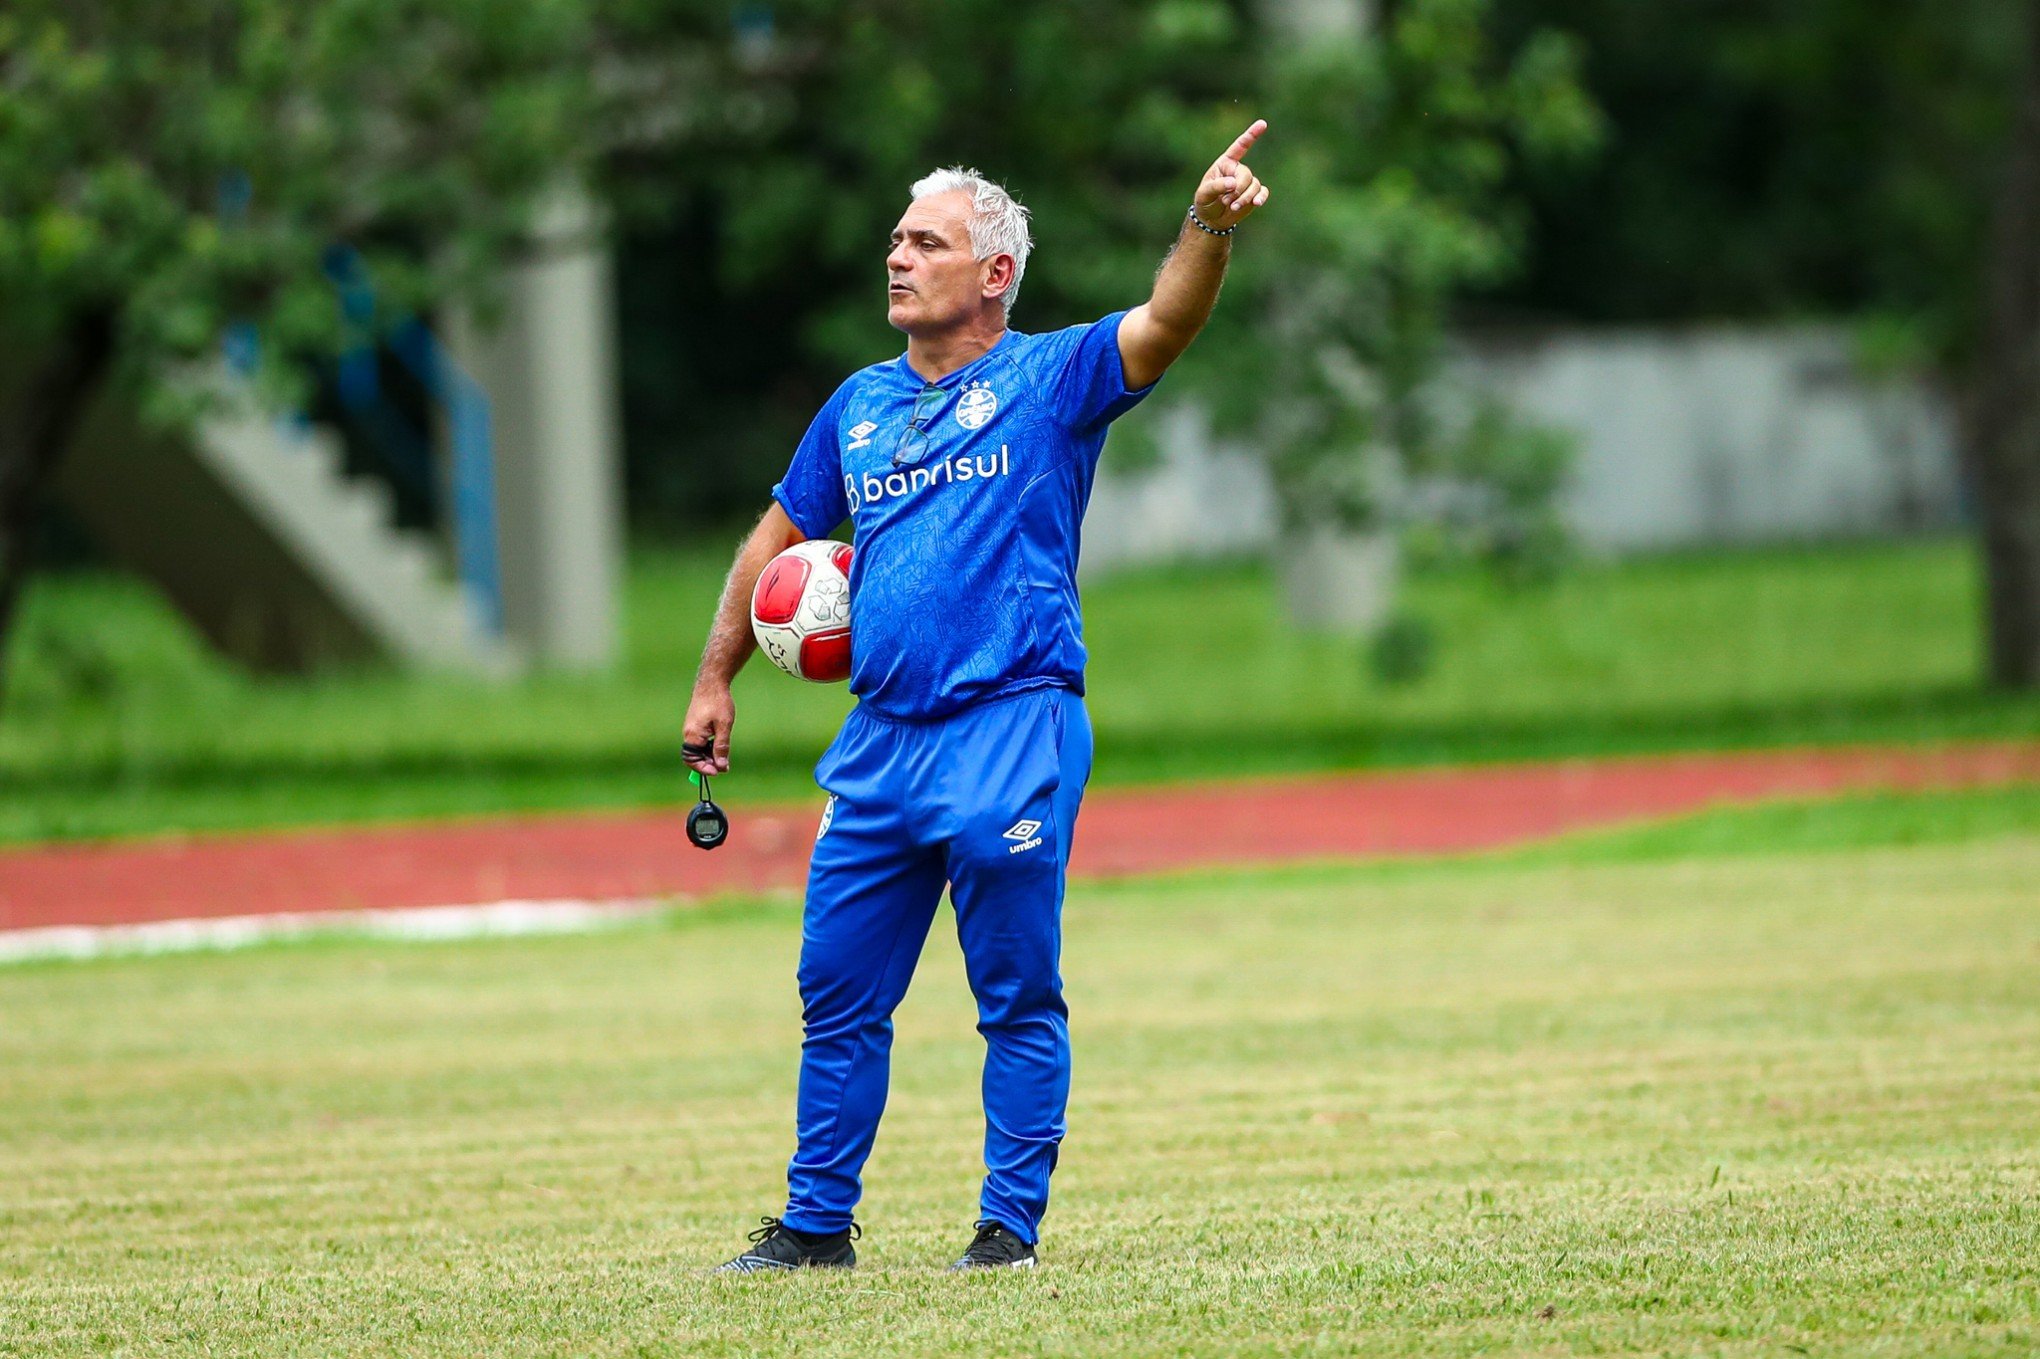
934,282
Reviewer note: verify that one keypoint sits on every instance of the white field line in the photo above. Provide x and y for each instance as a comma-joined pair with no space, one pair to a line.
499,919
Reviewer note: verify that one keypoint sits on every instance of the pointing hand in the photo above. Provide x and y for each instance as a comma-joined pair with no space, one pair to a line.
1229,191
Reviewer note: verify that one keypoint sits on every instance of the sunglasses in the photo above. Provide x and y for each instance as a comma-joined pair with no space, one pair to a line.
914,438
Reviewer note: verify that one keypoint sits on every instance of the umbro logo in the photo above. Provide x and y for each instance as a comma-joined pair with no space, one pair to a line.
1024,831
860,435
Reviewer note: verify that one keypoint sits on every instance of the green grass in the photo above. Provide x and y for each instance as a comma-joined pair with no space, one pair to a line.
122,724
1856,821
1629,1097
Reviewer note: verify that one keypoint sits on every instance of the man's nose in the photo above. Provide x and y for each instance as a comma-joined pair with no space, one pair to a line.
896,259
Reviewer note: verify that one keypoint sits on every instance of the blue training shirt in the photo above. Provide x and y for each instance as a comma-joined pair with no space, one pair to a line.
964,586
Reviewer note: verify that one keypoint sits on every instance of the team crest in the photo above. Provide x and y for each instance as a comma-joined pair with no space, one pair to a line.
976,406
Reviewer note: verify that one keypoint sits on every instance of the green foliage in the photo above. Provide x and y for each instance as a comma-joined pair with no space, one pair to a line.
761,242
180,165
1389,163
1779,157
1497,480
1087,110
1403,650
1391,160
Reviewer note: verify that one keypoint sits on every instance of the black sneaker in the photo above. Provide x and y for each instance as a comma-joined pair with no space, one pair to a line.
778,1246
996,1248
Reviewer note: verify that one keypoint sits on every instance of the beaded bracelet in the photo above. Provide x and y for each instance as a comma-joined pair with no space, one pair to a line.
1210,231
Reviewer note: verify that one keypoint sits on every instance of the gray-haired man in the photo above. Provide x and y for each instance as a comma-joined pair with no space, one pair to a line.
965,465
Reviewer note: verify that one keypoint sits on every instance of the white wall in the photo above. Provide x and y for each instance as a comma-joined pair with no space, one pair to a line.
1686,437
1201,499
1724,435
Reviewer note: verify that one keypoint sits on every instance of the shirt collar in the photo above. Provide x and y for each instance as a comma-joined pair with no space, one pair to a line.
905,372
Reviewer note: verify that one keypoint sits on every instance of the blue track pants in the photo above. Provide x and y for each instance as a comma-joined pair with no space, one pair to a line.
984,802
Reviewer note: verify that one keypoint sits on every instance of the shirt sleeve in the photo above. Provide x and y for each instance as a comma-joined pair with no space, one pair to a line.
1087,380
811,492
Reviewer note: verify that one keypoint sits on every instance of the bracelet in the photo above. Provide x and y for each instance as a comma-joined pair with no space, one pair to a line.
1210,231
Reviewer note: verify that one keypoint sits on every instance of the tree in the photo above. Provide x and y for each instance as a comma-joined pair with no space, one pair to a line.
169,168
1394,153
1390,159
1775,158
757,261
2002,430
1786,157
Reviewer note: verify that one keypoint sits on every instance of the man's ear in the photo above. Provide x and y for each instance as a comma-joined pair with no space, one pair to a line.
998,275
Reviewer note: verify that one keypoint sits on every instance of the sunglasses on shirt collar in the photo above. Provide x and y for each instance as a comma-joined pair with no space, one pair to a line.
913,445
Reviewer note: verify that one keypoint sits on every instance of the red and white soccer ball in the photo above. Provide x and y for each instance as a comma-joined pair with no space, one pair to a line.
800,611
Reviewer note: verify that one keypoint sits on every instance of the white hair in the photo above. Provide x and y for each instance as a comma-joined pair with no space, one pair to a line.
998,224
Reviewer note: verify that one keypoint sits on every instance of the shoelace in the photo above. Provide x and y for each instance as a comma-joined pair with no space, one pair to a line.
770,1227
987,1233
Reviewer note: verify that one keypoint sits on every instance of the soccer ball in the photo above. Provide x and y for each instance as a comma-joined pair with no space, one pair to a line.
800,611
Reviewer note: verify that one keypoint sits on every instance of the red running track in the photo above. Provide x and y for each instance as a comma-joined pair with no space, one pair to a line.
644,854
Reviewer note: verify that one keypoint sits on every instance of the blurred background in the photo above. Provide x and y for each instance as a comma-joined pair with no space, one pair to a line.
387,384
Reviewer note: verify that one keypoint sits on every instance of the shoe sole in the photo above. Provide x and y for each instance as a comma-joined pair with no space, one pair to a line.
757,1266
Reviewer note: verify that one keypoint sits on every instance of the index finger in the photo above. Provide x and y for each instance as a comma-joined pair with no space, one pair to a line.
1245,141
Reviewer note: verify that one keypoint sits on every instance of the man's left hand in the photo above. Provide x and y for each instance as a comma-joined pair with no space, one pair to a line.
1229,191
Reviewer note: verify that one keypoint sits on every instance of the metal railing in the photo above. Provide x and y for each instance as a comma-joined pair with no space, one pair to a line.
461,403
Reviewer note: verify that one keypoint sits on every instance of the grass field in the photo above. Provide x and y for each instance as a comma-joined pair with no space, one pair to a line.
1763,1082
121,724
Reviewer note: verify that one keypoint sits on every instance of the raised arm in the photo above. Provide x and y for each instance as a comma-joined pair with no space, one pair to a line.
1155,334
712,712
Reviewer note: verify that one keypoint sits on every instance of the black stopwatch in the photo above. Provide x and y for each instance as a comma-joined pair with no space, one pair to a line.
707,824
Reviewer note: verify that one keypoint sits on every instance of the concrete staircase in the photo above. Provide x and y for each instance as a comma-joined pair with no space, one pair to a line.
254,531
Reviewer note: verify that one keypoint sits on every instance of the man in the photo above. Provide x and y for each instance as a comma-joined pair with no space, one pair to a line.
965,466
